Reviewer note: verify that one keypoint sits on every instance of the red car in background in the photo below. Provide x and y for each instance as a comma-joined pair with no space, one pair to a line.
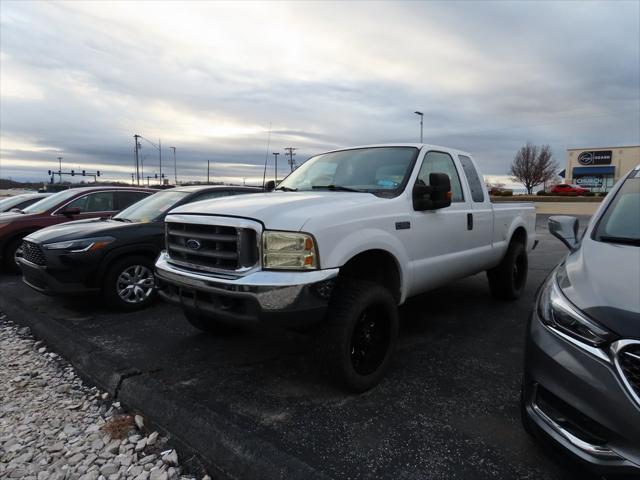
64,206
569,188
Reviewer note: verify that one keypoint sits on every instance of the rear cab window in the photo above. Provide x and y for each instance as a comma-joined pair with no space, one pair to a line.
475,184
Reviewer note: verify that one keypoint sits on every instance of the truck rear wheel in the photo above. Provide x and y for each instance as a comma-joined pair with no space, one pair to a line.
507,280
360,334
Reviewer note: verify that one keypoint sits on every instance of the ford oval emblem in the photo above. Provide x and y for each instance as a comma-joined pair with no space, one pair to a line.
193,244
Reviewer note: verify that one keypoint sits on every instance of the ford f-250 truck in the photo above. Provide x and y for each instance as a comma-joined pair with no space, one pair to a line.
340,244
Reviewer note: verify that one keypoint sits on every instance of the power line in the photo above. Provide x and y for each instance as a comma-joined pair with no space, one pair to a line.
290,151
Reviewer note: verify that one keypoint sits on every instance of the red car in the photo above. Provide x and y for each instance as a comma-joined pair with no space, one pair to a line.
64,206
569,188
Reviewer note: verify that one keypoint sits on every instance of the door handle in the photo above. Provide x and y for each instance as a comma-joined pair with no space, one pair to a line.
469,221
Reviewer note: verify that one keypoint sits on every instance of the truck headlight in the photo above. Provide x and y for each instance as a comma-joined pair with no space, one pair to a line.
555,310
288,251
80,245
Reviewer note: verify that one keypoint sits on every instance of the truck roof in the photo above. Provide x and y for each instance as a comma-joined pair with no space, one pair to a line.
414,145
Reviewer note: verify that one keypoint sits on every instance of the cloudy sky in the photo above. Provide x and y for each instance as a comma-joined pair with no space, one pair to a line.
77,80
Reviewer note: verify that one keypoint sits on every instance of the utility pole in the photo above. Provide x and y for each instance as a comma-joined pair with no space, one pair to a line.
160,156
275,154
60,168
208,169
266,157
421,118
290,151
137,146
175,166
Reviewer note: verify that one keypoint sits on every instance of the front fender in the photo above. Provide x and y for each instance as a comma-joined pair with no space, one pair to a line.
363,240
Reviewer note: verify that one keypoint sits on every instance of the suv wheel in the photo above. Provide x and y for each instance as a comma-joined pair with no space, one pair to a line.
129,284
360,334
507,280
10,255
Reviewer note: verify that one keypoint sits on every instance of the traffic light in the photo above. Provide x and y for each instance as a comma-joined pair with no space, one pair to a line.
84,173
49,172
98,173
73,173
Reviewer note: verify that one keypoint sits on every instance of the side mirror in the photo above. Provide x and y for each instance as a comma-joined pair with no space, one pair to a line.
270,185
434,196
565,228
71,211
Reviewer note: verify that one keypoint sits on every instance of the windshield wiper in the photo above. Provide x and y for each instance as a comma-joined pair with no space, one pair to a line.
336,188
287,189
625,240
121,219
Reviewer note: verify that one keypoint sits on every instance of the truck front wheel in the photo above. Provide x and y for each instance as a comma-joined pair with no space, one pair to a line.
507,280
360,334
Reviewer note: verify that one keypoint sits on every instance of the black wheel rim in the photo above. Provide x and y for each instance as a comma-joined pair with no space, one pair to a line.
519,271
369,341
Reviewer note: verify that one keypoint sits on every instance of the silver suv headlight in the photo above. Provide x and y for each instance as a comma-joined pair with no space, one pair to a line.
556,311
288,251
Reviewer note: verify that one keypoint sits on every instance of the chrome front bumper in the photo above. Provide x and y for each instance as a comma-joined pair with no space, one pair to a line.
293,297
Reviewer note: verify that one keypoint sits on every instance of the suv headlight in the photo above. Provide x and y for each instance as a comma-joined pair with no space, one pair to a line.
288,251
80,245
555,310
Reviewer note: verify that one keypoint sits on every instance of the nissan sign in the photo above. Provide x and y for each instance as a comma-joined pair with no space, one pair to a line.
601,157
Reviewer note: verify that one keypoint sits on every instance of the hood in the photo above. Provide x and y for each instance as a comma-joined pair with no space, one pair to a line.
604,283
94,227
280,210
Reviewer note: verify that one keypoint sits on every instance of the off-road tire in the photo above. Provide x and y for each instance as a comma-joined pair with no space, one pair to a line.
350,303
110,283
508,279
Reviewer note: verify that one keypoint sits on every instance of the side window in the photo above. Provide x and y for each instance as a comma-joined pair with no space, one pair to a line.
438,162
125,199
477,194
94,202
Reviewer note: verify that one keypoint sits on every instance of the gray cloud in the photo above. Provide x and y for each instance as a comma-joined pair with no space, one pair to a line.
79,80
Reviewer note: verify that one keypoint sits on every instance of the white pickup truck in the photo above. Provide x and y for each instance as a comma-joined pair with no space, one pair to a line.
340,244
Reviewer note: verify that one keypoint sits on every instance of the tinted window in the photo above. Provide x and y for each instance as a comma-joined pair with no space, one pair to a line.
621,222
94,202
211,194
438,162
475,185
129,198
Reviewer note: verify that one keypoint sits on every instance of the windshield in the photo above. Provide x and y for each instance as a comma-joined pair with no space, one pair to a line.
621,221
151,207
7,203
50,202
383,170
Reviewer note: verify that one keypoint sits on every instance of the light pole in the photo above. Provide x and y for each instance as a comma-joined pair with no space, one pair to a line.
421,118
275,154
175,166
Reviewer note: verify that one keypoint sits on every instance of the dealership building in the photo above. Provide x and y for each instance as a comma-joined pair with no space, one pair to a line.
598,169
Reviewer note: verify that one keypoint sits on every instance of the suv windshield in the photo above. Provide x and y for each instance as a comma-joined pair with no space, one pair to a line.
382,170
621,221
50,202
152,207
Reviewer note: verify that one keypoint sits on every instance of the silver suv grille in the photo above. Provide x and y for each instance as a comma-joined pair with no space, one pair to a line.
211,247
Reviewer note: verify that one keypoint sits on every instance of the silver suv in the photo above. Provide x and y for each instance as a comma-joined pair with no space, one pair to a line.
581,385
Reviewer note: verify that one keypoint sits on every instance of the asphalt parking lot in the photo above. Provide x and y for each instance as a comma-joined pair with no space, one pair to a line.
255,402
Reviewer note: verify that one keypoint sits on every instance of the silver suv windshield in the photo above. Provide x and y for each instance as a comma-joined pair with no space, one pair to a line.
378,170
620,223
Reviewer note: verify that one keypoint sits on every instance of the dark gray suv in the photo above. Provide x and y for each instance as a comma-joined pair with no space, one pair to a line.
581,386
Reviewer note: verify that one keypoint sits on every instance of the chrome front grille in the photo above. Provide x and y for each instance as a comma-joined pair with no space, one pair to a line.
211,247
629,362
33,253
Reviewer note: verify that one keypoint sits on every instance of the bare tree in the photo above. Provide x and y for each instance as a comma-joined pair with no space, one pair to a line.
533,166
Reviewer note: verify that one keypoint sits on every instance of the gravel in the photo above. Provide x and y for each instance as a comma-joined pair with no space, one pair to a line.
55,427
